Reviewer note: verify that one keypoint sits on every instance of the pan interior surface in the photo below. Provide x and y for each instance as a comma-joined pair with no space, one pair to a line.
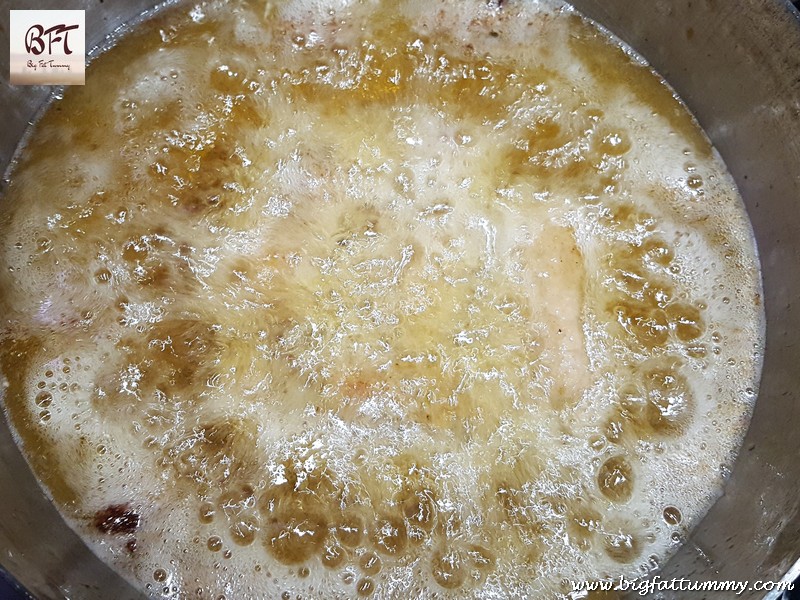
331,225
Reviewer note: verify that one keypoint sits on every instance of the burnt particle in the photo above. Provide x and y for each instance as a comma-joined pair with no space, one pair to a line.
116,519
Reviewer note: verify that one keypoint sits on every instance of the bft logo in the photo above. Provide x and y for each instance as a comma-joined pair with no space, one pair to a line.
48,47
34,38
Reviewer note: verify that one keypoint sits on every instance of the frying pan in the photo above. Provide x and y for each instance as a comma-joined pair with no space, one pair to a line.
737,67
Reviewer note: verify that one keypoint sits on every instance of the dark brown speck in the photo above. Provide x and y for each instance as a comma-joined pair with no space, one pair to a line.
116,519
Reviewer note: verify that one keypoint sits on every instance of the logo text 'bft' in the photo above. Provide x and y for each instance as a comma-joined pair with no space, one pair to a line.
34,38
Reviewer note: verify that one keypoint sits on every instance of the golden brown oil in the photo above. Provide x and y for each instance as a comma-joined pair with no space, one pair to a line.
376,300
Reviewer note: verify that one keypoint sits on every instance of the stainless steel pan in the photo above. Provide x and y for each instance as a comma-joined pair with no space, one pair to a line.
737,66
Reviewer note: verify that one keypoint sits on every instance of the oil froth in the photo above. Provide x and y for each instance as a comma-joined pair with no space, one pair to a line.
376,299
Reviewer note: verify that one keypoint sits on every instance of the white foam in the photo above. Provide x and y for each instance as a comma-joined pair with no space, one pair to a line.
315,272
